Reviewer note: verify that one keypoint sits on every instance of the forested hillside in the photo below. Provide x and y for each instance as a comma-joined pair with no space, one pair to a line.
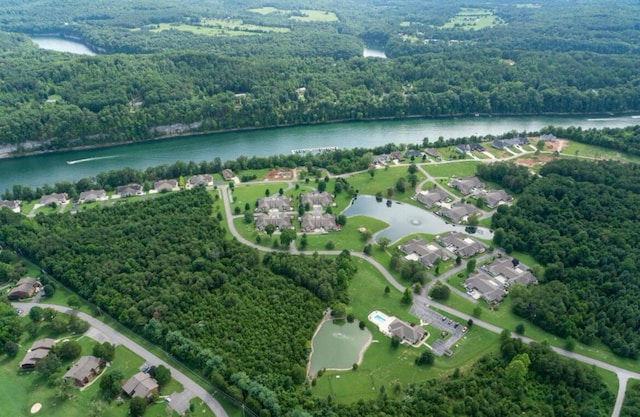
580,219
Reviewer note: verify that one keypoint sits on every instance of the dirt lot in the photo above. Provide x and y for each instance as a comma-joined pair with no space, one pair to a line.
557,146
537,160
281,174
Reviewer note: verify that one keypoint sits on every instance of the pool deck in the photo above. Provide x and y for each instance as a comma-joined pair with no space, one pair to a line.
383,325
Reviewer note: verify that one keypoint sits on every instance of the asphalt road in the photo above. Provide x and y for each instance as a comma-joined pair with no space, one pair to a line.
179,400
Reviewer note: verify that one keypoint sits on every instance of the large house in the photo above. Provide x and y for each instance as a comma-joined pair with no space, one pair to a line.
274,202
56,198
140,385
92,195
493,198
25,288
39,350
433,152
315,198
432,197
166,185
227,174
13,205
505,143
199,180
425,253
83,371
492,281
460,244
548,137
466,185
406,332
318,223
280,220
129,190
458,213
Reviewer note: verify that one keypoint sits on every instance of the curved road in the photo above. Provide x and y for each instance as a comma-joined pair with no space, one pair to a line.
191,388
622,374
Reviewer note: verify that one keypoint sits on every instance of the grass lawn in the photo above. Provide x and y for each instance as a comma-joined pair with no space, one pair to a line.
382,180
218,27
459,169
250,193
383,365
473,19
591,151
315,16
349,237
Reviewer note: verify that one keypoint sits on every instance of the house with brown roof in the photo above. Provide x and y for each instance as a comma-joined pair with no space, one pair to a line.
129,190
458,213
24,288
227,174
165,186
56,198
420,251
432,197
39,350
92,195
274,202
13,205
315,198
433,152
493,198
318,223
466,185
84,370
199,180
406,332
280,220
140,385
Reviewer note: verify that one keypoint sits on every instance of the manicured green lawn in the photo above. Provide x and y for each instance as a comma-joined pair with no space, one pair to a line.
591,151
459,169
250,193
349,237
382,180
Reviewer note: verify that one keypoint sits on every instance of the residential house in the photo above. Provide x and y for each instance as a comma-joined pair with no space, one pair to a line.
395,155
166,185
433,152
505,143
406,332
492,281
199,180
510,272
476,147
480,284
129,190
313,223
548,137
466,185
463,148
280,220
13,205
227,174
92,195
274,202
493,198
83,371
383,159
56,198
25,288
141,385
458,213
315,198
39,350
432,197
460,244
413,153
425,253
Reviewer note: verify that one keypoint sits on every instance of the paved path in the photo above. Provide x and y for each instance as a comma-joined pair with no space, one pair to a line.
191,388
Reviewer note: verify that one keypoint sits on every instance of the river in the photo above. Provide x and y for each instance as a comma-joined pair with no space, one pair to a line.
55,43
34,171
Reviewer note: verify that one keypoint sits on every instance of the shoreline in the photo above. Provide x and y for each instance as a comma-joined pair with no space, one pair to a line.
11,154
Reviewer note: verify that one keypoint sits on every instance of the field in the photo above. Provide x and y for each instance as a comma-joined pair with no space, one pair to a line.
299,15
220,27
459,169
473,19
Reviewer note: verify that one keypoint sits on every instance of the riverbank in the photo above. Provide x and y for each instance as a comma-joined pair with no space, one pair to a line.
11,152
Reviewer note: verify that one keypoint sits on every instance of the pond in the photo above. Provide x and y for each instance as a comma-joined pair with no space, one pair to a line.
404,219
55,43
338,345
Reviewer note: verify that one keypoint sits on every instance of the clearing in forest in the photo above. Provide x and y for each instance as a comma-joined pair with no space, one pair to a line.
473,19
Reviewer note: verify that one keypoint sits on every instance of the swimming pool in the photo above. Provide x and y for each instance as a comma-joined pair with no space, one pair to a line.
379,318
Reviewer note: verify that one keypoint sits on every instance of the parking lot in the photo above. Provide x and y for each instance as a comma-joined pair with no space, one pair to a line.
442,323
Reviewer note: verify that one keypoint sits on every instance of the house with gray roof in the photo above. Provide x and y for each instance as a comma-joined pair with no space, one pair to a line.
39,350
92,195
406,332
510,272
420,251
466,185
274,202
84,370
458,213
199,180
165,186
315,198
460,244
548,137
481,284
432,197
493,198
227,174
140,385
433,152
13,205
492,281
24,288
318,223
280,220
505,143
129,190
56,198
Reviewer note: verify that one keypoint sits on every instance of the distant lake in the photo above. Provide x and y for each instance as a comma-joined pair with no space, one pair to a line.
373,53
54,43
404,219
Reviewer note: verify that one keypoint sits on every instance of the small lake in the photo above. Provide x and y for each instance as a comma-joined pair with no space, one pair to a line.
338,345
54,43
373,53
404,219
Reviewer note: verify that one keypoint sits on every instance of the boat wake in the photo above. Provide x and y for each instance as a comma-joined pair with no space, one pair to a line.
97,158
